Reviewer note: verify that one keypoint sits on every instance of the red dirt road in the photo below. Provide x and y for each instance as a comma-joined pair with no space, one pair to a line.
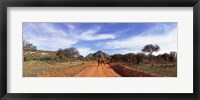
93,70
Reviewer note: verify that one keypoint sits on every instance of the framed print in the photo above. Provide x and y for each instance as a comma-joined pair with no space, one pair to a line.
64,49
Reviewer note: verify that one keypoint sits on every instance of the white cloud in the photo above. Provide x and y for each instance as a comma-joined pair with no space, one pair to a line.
51,44
88,35
85,51
46,37
160,28
91,35
167,42
72,27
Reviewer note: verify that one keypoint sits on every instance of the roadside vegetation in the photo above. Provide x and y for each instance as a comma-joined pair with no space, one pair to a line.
68,61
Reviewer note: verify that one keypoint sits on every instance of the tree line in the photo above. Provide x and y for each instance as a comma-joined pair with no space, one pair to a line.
139,58
69,54
143,58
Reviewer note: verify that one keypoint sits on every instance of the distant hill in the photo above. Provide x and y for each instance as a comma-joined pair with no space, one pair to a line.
42,53
96,55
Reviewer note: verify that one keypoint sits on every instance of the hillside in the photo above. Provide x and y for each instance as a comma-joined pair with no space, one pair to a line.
39,53
96,55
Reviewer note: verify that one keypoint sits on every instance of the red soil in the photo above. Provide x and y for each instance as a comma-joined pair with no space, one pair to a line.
128,72
93,70
63,73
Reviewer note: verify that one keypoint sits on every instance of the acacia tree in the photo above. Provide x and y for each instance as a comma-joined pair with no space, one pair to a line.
150,48
28,46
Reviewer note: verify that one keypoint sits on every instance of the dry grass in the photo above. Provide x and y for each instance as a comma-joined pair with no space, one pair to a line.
165,70
38,68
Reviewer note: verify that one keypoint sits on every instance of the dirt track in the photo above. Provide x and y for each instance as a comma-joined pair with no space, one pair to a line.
93,70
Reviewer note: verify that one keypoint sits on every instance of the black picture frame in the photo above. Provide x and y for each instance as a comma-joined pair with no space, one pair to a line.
98,3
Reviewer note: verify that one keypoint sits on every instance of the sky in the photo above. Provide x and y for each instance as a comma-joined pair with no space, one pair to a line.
111,38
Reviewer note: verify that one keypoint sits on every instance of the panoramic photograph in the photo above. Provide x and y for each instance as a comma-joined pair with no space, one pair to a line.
94,49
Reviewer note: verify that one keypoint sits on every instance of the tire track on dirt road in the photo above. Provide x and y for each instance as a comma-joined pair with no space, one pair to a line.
93,70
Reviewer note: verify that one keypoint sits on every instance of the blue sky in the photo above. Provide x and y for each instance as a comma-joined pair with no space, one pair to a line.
109,37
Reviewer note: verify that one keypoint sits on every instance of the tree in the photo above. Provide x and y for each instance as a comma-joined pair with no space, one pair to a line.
172,56
129,57
71,52
116,57
161,57
150,48
165,56
139,57
60,54
68,53
28,46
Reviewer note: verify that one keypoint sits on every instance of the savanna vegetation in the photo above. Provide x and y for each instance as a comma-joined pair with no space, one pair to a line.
69,62
161,65
47,63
